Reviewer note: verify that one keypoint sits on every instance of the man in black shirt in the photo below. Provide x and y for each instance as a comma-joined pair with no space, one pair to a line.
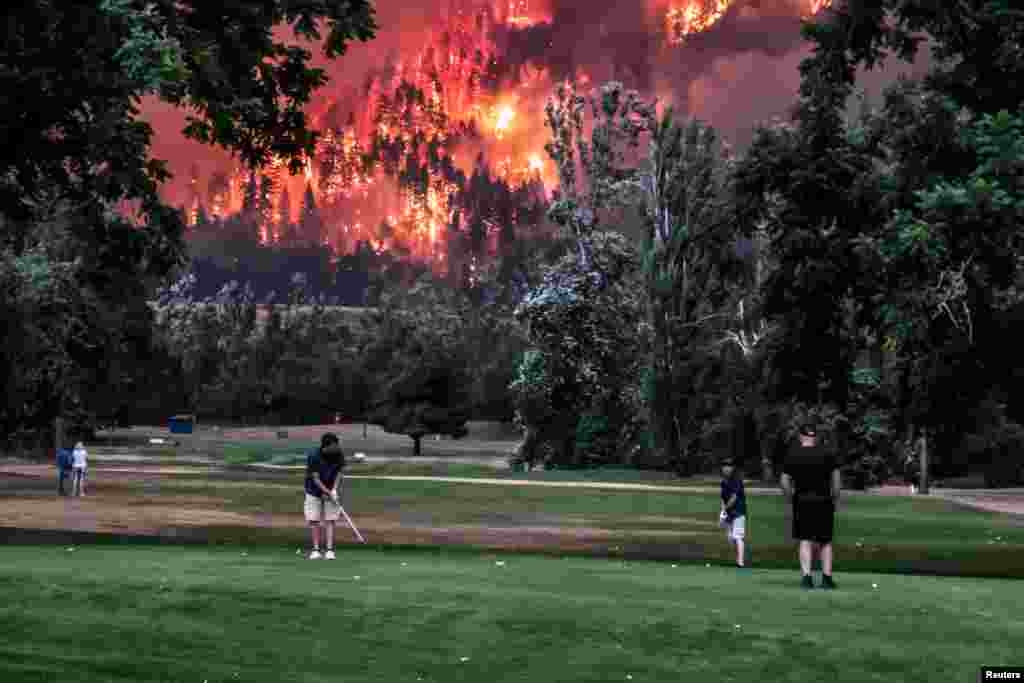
810,479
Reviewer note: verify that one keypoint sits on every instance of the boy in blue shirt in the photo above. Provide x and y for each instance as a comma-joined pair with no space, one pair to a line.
734,509
323,474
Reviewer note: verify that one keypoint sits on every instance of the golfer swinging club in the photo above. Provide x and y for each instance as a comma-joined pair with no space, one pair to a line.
323,474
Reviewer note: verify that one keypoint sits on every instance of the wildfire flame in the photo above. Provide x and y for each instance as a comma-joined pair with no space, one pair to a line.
407,125
695,16
505,116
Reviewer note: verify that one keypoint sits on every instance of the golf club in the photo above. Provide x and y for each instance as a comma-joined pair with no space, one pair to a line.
348,519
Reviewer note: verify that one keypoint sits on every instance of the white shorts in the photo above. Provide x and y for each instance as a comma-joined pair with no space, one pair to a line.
736,529
321,509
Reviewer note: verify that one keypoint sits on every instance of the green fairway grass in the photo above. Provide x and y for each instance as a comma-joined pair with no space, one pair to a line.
873,533
253,613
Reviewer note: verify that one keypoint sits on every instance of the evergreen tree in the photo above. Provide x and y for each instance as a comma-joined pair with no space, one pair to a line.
506,216
218,188
264,204
285,228
202,219
454,243
311,225
477,235
194,196
331,159
250,200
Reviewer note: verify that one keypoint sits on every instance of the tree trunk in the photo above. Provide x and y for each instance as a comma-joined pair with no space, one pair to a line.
568,450
527,449
663,408
416,445
924,462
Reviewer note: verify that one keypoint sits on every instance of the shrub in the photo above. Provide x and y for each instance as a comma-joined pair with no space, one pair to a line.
596,442
1005,465
866,471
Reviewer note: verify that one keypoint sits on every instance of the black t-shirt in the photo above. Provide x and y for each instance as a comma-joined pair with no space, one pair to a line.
811,469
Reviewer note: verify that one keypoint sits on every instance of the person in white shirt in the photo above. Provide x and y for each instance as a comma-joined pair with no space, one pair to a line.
78,467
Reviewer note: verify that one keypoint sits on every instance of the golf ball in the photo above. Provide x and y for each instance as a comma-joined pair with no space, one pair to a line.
874,585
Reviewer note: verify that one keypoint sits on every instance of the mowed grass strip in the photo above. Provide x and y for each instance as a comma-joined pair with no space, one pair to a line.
105,613
873,533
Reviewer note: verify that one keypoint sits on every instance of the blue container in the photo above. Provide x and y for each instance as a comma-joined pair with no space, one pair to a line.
181,424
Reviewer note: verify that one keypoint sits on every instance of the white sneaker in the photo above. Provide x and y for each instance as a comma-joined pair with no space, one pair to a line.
329,555
315,555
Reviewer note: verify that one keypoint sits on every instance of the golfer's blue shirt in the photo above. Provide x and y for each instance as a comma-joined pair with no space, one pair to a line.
729,487
328,472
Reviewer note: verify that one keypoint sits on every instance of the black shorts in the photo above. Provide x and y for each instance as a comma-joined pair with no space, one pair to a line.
813,520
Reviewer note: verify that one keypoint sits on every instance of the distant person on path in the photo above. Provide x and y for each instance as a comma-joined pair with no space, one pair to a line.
810,479
734,509
323,474
80,462
64,463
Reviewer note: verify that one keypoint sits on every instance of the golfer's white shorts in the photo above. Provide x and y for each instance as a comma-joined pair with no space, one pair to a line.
321,509
737,529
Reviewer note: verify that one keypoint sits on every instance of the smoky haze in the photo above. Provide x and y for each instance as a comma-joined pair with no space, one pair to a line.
741,71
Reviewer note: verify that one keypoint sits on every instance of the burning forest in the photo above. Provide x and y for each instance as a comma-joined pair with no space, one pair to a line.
438,151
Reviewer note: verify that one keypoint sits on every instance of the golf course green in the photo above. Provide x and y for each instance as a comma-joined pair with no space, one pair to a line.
221,614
